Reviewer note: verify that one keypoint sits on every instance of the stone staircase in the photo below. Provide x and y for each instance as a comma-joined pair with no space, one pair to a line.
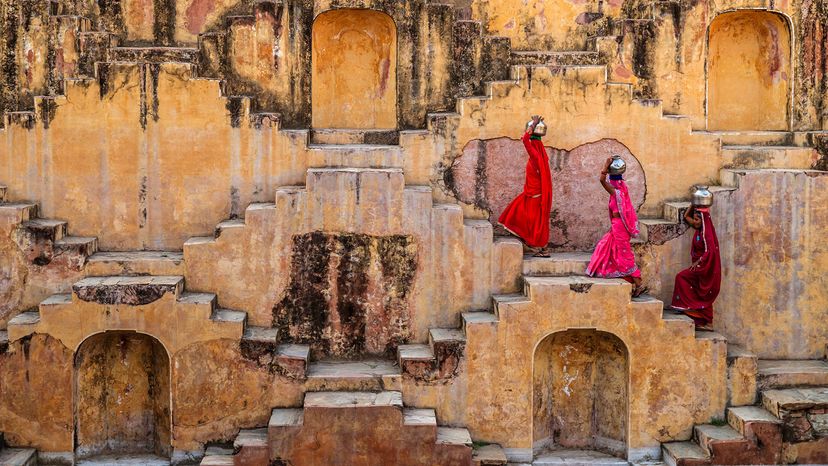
786,426
44,240
390,433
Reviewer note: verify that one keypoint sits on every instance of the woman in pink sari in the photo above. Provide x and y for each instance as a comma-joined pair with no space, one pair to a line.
613,256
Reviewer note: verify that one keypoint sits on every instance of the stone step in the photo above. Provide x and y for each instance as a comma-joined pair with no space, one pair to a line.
127,290
22,324
658,230
489,455
18,457
550,58
750,138
291,360
741,417
85,246
414,353
421,423
229,316
354,136
355,156
794,399
43,228
576,284
286,417
713,336
558,265
708,434
741,376
500,303
681,453
674,211
351,400
768,157
136,263
18,212
445,336
580,457
218,460
125,459
252,447
583,74
453,436
791,373
478,318
153,54
353,376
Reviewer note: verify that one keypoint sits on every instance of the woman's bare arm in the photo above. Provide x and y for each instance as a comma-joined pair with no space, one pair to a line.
603,178
691,218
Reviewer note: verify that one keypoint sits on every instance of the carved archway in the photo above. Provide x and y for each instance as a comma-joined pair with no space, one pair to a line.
580,392
122,396
354,63
749,71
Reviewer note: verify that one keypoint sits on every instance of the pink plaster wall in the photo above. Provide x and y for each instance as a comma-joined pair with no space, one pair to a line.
490,173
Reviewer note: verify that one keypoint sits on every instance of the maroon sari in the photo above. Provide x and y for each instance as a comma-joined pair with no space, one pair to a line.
698,286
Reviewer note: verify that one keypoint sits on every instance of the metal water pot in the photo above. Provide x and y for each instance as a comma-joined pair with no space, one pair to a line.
617,166
540,128
702,197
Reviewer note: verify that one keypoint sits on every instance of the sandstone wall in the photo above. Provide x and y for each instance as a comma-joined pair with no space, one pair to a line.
772,300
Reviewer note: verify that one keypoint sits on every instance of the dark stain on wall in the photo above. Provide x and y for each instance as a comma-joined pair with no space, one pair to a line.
348,293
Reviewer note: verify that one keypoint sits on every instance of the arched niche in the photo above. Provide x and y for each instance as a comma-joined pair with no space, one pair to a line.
354,70
749,71
580,392
122,396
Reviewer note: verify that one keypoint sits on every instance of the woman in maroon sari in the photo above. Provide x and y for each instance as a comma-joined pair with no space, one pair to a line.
527,217
698,286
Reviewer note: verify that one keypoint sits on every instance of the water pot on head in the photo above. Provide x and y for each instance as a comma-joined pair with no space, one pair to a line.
702,197
617,166
540,128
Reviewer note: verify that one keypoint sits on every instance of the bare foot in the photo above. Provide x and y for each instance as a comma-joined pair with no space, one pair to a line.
543,252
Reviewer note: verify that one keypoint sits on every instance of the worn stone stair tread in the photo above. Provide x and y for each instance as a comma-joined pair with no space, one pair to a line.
419,417
261,334
579,457
217,460
645,298
232,223
684,450
441,335
453,436
136,256
415,352
353,147
44,223
25,318
189,297
791,373
740,416
125,459
163,280
736,351
364,369
57,299
489,455
671,314
286,417
707,433
294,351
761,147
353,399
559,263
708,335
794,399
17,456
227,315
75,240
219,449
483,317
251,438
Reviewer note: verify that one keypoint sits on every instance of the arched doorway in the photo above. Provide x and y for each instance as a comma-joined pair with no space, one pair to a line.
122,396
580,394
354,77
749,71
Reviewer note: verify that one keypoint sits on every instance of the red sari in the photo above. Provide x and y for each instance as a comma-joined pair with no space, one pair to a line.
698,285
528,215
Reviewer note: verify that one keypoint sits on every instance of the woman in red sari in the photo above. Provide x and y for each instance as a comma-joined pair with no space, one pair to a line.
613,256
527,217
698,285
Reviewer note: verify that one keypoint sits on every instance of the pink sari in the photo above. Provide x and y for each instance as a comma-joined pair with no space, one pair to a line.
613,256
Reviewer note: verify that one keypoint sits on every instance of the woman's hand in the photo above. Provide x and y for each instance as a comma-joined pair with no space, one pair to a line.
606,166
